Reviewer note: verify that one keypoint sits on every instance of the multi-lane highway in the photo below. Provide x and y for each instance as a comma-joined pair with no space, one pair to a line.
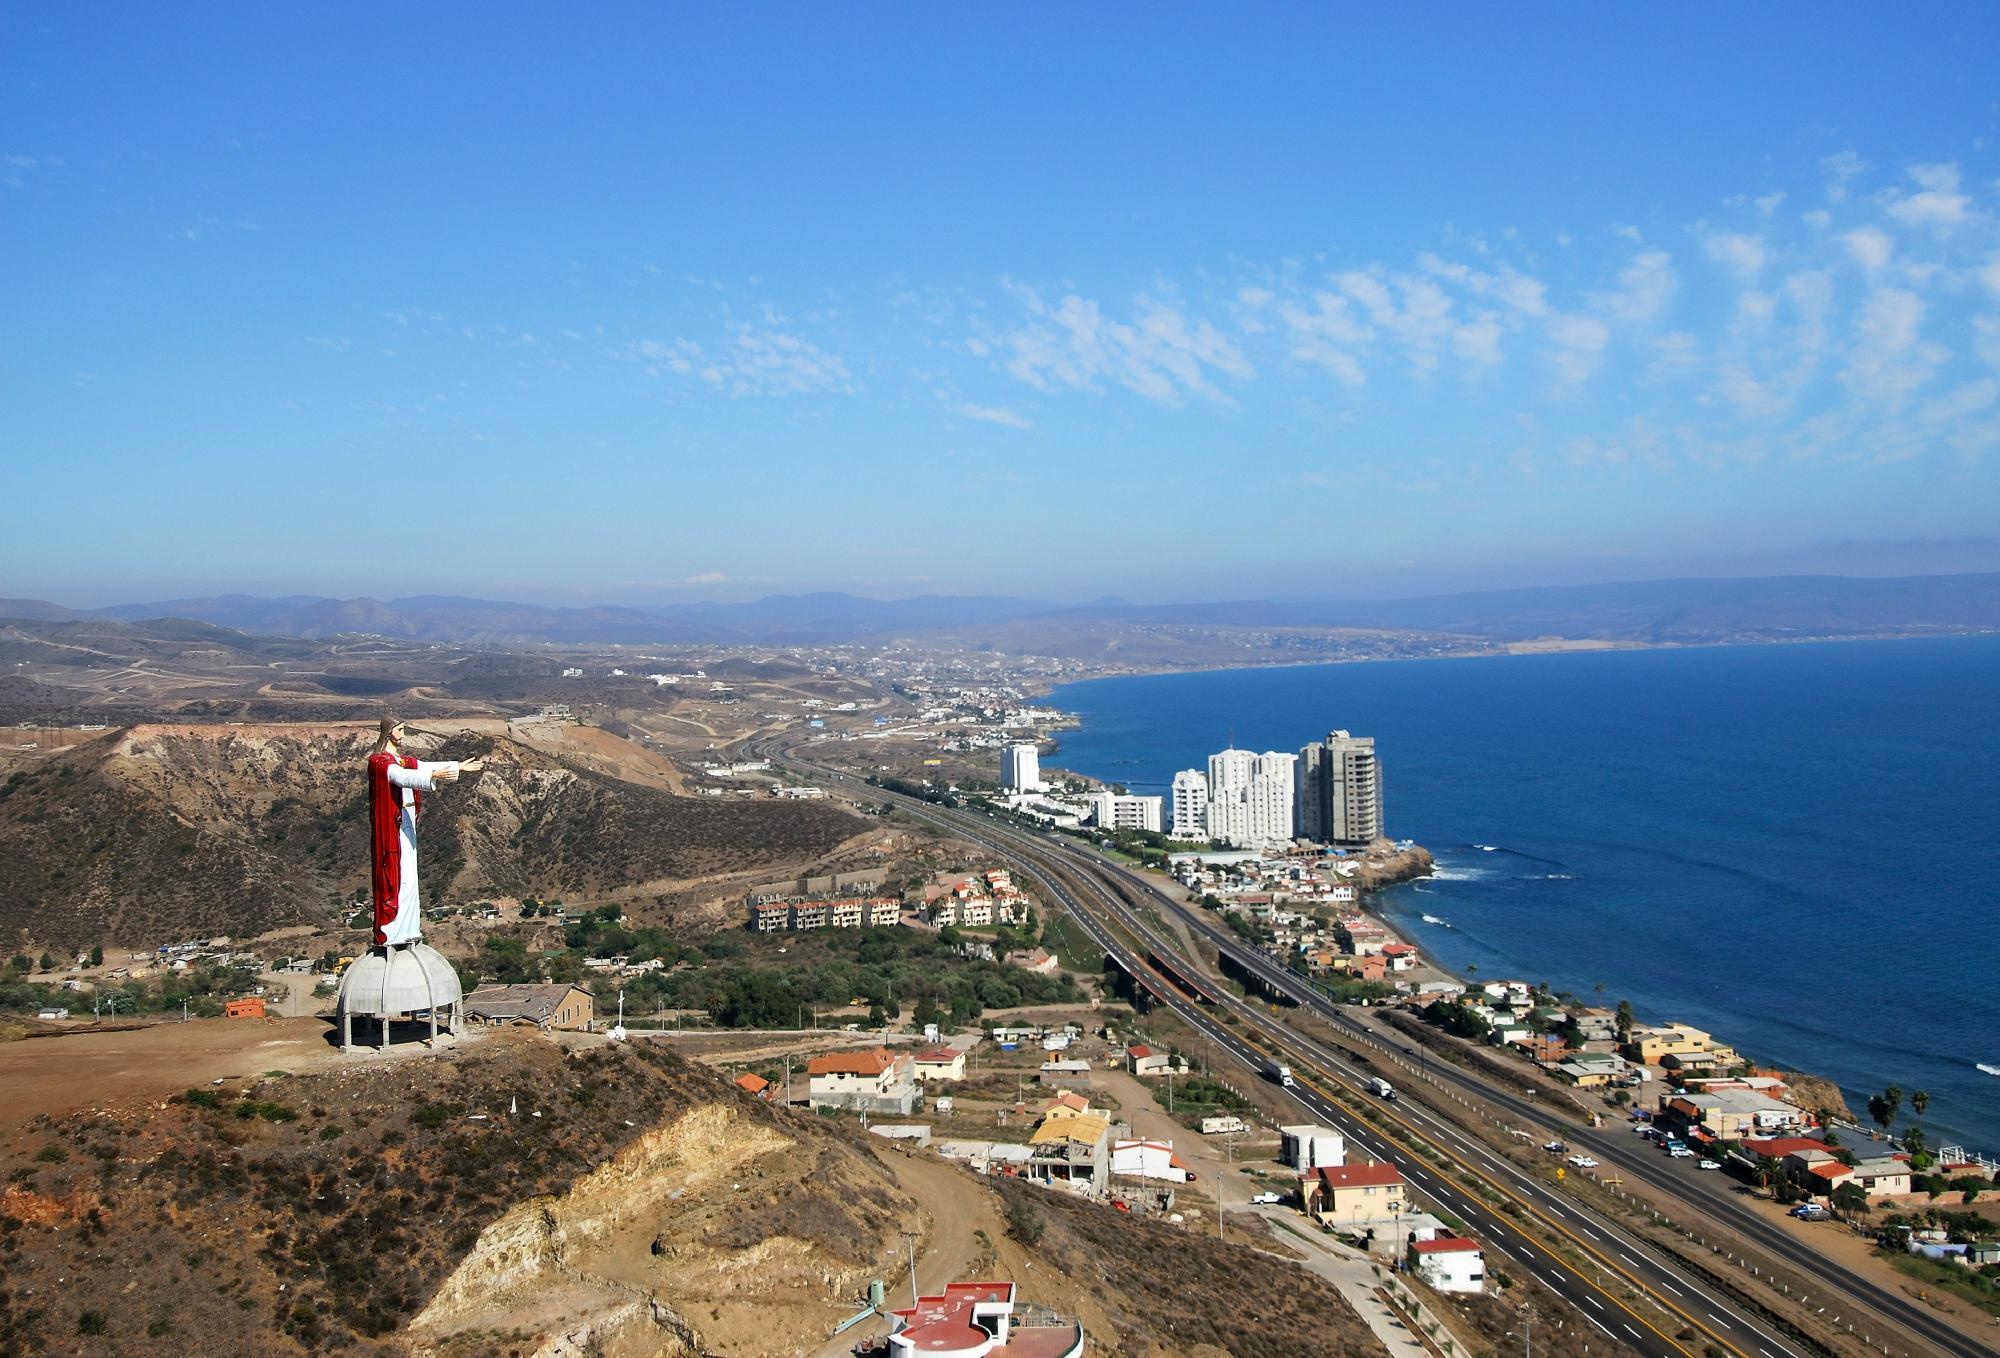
1615,1282
1630,1299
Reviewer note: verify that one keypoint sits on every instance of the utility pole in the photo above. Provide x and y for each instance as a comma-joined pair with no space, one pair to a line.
1229,1152
1528,1330
910,1239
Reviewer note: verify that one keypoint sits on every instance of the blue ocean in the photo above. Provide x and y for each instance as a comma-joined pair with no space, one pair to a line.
1796,847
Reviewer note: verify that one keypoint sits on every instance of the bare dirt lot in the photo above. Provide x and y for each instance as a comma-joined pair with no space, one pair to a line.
54,1076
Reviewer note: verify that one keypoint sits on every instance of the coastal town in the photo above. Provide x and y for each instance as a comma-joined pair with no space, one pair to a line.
940,993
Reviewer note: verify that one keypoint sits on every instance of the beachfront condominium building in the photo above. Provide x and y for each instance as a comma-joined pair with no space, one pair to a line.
1021,768
1339,790
1250,797
1190,805
1117,811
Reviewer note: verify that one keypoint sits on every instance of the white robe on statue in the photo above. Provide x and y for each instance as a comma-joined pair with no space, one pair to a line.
408,926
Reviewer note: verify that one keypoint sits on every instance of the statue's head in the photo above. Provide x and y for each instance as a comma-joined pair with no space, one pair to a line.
391,737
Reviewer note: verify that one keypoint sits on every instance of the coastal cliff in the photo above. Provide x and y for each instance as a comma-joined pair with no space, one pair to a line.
1386,865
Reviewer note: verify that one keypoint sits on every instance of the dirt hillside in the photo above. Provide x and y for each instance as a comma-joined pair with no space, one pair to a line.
630,1198
160,832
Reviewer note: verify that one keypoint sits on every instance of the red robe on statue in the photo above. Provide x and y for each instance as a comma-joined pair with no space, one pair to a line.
392,825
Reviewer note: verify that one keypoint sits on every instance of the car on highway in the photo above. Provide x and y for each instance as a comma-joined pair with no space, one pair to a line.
1708,1164
1267,1197
1583,1162
1680,1153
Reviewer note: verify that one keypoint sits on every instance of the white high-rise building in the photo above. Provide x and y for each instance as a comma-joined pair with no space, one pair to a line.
1118,811
1190,798
1021,768
1250,797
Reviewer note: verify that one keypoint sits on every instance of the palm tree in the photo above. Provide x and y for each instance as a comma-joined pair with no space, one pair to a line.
1919,1101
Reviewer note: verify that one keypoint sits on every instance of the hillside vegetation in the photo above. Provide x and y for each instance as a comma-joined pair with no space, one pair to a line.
164,832
367,1211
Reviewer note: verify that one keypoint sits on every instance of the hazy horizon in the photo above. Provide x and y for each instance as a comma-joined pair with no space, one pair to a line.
637,305
739,595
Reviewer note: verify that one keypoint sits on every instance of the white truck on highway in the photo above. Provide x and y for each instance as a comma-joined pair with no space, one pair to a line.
1282,1074
1383,1089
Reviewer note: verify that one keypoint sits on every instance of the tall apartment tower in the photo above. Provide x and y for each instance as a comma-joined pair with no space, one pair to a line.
1250,797
1021,768
1190,805
1339,790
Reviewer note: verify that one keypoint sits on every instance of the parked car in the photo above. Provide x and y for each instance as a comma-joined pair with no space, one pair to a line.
1555,1148
1708,1164
1810,1211
1681,1153
1583,1162
1267,1197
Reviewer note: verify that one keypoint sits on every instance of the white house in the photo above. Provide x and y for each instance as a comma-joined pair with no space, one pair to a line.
876,1081
1146,1061
1148,1160
1449,1263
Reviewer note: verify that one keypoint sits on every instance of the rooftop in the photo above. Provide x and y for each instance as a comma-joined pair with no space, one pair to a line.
1357,1176
537,1003
1083,1129
871,1062
1456,1244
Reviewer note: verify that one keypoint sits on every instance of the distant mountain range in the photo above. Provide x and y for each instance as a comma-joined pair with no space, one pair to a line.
1647,612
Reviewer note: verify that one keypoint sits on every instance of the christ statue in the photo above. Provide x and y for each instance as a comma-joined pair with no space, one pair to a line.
396,784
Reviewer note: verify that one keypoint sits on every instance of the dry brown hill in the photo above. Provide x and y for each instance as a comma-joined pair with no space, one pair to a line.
162,832
327,1211
513,1196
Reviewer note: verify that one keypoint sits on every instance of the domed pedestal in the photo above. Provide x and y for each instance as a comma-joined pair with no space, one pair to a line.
411,980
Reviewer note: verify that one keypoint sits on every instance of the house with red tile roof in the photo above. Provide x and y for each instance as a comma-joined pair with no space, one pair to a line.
1345,1196
752,1083
1778,1147
874,1080
939,1063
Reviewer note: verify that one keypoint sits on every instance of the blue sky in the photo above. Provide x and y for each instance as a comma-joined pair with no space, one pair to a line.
637,303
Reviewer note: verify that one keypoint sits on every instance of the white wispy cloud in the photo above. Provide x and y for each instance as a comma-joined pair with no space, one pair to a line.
751,361
1870,247
1889,358
1741,251
1160,352
1645,286
1842,169
1576,345
993,415
1937,202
